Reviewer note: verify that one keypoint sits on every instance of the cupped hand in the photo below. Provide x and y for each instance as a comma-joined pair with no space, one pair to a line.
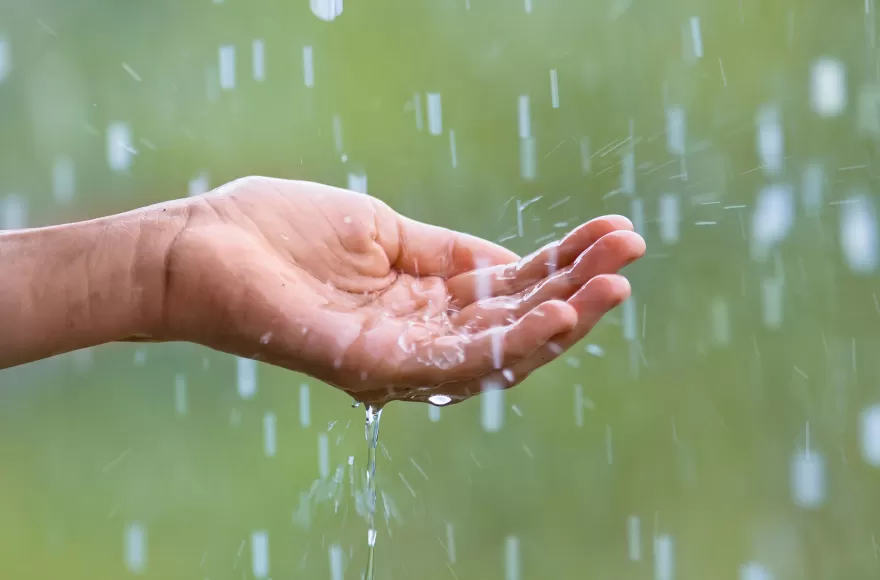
338,285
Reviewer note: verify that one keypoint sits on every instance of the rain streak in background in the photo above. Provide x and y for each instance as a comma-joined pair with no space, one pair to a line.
724,421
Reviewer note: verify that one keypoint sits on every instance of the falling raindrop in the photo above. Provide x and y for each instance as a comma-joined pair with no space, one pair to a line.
858,235
337,569
869,435
634,538
326,10
308,67
828,87
554,89
435,113
14,212
357,182
119,147
180,402
269,434
305,416
492,405
226,57
511,558
135,547
770,140
669,218
663,557
258,55
808,479
246,377
260,554
772,219
5,58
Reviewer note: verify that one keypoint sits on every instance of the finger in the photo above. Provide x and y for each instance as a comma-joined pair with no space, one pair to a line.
597,297
503,280
427,250
455,358
607,256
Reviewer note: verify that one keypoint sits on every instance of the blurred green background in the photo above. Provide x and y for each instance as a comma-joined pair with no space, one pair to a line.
718,425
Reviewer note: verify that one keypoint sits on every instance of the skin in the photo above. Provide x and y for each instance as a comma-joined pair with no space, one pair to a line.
315,279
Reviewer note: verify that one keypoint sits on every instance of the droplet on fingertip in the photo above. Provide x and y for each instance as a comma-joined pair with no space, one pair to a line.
439,400
266,338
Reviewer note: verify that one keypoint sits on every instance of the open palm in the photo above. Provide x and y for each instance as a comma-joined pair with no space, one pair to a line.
337,285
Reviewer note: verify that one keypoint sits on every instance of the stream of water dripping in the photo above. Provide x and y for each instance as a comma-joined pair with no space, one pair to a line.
372,435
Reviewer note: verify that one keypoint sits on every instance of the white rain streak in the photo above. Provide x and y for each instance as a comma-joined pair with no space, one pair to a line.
269,444
696,37
595,350
357,182
14,212
528,158
812,186
492,406
5,58
246,377
770,139
771,302
63,179
450,542
226,67
808,479
326,10
337,569
308,67
578,406
827,87
554,88
337,133
435,113
754,571
676,129
586,161
119,146
135,547
868,110
524,120
638,215
323,456
198,185
258,60
528,6
772,219
453,154
720,317
260,554
433,413
669,218
664,565
869,435
180,398
305,413
628,172
511,558
629,319
417,106
634,538
858,235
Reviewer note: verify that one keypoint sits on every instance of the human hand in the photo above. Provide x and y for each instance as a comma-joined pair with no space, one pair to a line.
337,285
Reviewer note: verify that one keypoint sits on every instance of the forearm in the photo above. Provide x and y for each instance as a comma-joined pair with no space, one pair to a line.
72,286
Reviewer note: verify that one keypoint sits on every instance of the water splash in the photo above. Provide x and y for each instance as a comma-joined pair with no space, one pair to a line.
371,431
